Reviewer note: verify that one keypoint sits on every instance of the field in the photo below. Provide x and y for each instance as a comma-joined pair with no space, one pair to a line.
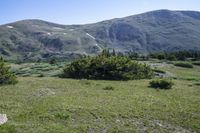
54,105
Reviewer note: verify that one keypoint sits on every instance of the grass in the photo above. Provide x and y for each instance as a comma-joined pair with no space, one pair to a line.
37,69
54,105
183,73
60,105
159,71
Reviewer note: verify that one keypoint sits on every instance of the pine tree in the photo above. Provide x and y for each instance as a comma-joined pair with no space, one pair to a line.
114,53
6,77
105,53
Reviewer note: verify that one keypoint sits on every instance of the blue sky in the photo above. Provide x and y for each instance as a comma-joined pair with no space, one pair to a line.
85,11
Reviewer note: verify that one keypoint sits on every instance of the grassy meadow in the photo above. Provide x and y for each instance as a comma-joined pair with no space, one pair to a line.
49,104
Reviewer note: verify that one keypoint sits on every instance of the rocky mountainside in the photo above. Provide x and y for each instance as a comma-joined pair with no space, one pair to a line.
160,30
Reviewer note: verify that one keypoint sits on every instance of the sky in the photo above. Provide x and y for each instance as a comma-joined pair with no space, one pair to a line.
85,11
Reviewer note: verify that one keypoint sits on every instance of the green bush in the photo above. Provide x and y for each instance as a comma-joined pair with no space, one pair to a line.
197,84
196,63
184,64
6,77
107,68
41,75
53,61
161,84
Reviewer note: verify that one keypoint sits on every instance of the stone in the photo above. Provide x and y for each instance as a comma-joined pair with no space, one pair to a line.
3,118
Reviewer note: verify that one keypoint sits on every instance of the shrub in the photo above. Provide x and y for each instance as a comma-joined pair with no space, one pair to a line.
197,84
107,68
110,88
196,63
184,64
53,61
6,77
161,83
159,71
41,75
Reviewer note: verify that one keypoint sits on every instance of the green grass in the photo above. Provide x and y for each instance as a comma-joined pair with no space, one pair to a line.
36,69
183,73
54,105
60,105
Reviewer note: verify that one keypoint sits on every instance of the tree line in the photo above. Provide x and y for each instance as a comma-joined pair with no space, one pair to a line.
172,56
178,55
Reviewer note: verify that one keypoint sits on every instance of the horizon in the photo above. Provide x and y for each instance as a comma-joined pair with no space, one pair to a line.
93,22
85,12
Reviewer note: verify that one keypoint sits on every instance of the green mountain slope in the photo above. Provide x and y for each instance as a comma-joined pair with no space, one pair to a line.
161,30
153,31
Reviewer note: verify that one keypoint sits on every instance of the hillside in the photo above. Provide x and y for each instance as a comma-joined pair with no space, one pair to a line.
161,30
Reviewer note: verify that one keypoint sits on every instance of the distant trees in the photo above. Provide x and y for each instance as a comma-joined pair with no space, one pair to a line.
133,55
107,66
171,56
136,56
53,61
6,77
179,55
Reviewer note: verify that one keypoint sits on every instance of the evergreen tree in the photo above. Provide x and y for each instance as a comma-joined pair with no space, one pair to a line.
105,53
6,77
53,61
114,53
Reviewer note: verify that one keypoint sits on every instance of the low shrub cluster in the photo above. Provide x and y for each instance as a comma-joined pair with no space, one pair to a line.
6,77
107,68
161,84
196,63
184,64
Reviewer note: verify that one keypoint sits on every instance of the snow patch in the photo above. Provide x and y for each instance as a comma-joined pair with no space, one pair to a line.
48,33
85,53
64,33
90,36
57,28
10,27
3,118
97,45
71,29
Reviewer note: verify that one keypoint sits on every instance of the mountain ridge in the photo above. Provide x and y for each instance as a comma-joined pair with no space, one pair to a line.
160,30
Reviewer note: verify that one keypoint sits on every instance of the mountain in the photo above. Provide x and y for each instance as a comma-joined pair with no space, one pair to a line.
161,30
